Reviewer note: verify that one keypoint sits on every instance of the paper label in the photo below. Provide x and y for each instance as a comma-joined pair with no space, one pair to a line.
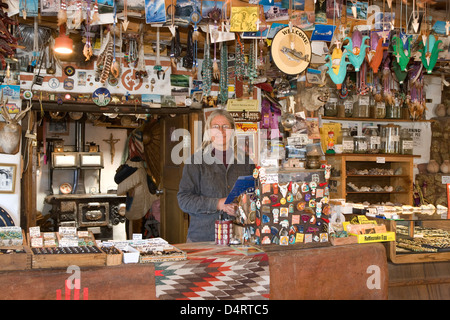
35,232
381,160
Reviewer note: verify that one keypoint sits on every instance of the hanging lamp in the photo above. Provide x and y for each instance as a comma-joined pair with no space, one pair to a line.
63,44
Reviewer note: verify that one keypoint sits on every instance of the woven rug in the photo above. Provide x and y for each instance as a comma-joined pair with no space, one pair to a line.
213,272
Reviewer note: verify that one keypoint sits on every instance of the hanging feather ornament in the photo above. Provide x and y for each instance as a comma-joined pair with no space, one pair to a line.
125,15
95,15
216,71
105,58
78,17
62,13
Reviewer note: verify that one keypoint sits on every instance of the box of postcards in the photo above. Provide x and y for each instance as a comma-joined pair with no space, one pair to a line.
64,248
14,253
157,250
290,209
419,240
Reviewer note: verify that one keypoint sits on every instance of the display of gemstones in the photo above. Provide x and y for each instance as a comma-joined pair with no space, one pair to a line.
11,251
426,240
66,250
110,250
373,188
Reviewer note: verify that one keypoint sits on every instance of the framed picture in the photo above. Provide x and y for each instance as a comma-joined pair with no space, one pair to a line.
58,127
7,177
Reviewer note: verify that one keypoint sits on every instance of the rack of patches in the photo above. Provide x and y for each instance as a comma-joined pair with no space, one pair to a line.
288,208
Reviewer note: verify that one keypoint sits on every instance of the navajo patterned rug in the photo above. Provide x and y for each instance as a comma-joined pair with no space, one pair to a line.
213,272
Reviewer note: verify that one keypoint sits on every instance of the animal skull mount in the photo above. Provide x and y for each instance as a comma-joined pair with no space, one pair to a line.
11,131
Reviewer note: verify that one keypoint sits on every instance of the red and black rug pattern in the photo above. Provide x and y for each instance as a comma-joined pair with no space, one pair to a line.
213,272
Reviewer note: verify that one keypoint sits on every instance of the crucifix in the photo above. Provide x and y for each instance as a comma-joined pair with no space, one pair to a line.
111,143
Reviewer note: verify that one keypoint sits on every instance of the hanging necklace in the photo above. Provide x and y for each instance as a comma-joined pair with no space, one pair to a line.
206,68
223,84
239,67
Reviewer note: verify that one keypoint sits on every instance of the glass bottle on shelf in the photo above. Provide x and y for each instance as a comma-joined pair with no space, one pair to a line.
347,141
390,138
331,105
380,110
396,109
348,105
406,142
361,106
360,144
373,139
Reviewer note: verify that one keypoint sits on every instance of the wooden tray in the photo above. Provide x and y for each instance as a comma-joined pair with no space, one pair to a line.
16,261
64,260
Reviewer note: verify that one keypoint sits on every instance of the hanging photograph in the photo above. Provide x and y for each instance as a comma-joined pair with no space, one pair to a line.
50,7
360,9
321,11
7,178
334,9
276,12
155,11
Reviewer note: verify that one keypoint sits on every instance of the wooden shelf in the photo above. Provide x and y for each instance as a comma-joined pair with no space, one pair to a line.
373,119
343,162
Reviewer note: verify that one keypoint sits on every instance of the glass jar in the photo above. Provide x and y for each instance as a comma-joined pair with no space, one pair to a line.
406,142
390,138
348,106
380,110
331,105
373,139
360,144
347,141
361,107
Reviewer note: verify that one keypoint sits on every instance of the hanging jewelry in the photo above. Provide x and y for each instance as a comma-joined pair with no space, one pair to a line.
251,69
207,68
239,67
115,67
95,16
223,84
87,50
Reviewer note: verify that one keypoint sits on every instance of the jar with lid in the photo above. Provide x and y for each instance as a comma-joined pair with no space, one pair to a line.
361,107
390,138
360,144
373,139
406,142
347,141
348,106
331,105
380,110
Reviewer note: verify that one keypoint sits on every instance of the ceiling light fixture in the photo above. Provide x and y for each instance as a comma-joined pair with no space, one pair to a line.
63,44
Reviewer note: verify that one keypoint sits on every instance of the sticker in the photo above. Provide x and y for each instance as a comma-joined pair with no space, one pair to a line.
291,239
265,229
284,240
265,219
307,197
308,238
301,206
290,197
266,188
282,201
295,219
284,212
101,97
68,84
291,208
299,237
69,71
266,200
53,83
312,203
305,187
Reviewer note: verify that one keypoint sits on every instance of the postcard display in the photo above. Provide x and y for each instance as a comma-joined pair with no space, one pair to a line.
291,207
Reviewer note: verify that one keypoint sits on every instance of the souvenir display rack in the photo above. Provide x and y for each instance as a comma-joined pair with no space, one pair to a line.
352,179
292,208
